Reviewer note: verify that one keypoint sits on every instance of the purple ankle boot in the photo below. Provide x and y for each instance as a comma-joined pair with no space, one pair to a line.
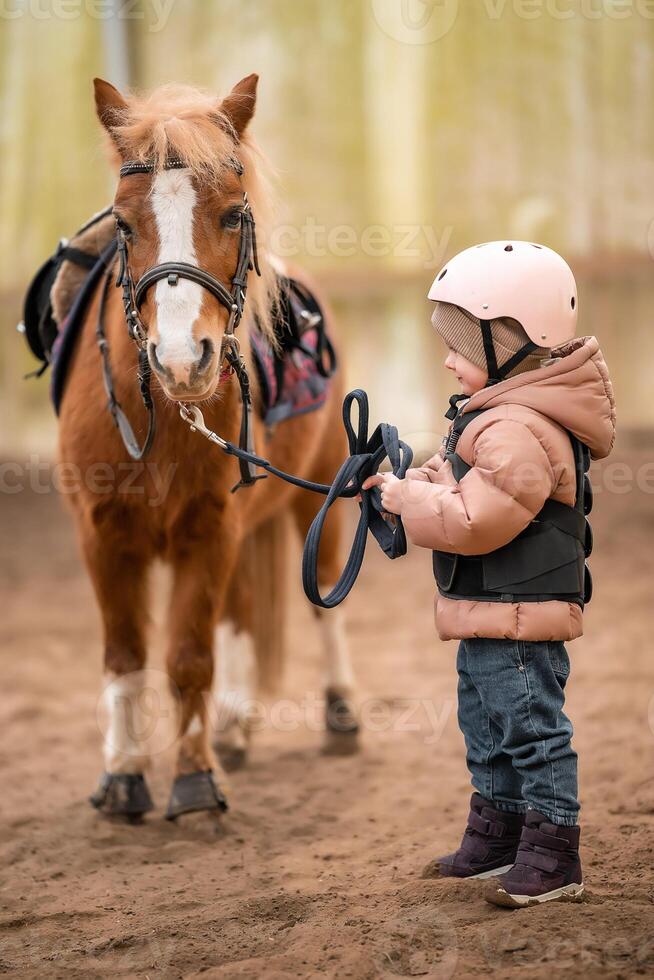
489,844
546,869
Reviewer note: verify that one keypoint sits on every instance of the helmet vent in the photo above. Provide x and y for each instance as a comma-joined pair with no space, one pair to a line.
508,248
535,246
442,274
573,302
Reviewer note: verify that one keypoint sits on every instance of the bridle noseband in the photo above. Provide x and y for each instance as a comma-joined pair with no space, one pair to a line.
232,298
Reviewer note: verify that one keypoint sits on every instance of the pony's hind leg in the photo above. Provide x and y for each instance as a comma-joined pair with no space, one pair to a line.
250,641
201,567
117,563
236,673
341,724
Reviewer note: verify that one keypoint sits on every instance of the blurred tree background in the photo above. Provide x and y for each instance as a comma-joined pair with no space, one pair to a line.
402,131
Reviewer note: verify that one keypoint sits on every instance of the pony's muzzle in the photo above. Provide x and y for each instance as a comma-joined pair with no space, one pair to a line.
185,377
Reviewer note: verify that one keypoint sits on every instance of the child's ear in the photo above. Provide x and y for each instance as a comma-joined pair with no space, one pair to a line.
110,105
239,105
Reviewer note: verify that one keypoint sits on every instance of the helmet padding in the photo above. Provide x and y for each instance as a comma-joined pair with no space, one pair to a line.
462,332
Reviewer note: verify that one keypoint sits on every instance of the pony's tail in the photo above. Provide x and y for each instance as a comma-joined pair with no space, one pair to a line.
269,573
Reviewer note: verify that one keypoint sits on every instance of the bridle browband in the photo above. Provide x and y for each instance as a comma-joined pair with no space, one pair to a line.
231,298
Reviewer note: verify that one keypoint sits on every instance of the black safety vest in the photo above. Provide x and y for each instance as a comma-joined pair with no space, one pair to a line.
545,561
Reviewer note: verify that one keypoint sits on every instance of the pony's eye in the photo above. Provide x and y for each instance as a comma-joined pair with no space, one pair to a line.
122,225
232,218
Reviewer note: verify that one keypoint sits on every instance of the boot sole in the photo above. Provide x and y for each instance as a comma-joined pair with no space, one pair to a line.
568,893
492,874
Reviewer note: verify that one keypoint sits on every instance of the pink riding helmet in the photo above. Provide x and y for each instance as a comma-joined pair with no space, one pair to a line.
528,282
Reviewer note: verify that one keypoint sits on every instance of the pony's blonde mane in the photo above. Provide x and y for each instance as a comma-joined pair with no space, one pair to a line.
185,122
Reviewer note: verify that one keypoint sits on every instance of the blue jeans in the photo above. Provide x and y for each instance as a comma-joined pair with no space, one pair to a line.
517,736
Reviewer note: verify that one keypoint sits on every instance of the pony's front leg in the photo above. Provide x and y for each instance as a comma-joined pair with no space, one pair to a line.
202,568
117,560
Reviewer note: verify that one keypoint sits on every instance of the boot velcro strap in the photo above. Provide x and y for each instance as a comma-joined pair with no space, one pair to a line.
538,838
473,846
536,859
489,828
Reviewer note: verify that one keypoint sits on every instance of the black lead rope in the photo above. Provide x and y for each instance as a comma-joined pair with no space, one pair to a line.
366,456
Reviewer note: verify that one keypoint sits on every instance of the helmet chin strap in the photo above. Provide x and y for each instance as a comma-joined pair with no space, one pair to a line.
496,374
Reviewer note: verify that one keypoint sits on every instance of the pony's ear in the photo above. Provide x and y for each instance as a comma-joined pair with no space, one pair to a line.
109,104
239,105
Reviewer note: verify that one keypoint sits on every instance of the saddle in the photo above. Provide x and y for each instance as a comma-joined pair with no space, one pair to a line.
293,374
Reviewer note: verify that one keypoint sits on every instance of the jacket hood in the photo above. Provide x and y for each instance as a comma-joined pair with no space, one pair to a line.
574,390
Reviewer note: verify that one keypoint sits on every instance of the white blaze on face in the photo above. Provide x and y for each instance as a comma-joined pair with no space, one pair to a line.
178,307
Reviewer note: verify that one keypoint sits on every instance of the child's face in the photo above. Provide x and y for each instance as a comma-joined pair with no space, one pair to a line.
470,377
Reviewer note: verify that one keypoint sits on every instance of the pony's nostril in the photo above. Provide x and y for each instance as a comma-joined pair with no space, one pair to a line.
154,360
207,354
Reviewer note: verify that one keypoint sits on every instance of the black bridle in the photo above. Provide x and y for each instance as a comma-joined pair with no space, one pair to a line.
366,453
232,298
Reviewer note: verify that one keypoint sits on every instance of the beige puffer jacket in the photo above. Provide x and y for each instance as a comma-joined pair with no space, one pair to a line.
521,455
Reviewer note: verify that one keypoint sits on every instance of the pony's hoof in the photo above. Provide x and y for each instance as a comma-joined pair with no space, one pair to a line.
340,716
122,795
340,743
194,792
342,727
232,757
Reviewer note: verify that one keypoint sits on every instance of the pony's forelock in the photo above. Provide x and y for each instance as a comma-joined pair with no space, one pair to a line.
178,121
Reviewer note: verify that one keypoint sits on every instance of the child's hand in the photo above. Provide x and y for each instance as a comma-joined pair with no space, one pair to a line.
391,491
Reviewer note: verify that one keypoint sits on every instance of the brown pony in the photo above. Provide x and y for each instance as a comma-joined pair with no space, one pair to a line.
223,548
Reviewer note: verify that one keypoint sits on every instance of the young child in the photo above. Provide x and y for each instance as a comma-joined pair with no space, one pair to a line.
502,505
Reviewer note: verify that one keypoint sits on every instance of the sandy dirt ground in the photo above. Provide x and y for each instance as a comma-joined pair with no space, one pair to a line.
315,871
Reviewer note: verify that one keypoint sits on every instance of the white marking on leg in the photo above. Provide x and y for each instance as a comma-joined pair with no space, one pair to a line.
178,307
234,684
195,726
336,650
128,728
